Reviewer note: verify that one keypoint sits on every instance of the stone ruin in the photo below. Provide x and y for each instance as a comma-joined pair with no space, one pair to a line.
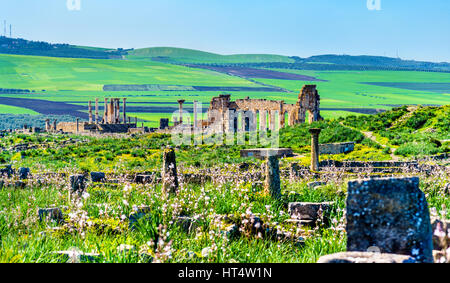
224,114
112,121
271,113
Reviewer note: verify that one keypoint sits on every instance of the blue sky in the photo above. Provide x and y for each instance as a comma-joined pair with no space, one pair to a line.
417,29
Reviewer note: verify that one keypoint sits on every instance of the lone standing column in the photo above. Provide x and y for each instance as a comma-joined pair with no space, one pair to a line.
272,184
315,149
47,125
90,111
181,110
78,125
169,173
54,125
105,114
124,110
96,111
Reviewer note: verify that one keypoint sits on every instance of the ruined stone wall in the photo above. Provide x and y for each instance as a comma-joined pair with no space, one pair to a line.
337,148
71,127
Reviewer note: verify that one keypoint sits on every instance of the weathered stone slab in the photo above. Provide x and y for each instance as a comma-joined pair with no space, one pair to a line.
310,211
98,177
391,214
77,183
337,148
54,214
263,153
365,257
144,178
6,170
24,173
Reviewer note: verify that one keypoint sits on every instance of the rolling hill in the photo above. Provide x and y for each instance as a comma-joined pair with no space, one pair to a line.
181,55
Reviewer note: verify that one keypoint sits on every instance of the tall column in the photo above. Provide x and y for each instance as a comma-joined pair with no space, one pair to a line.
47,125
78,125
96,111
315,149
124,110
111,111
282,115
54,125
271,120
195,115
105,114
90,111
181,101
262,120
117,111
272,182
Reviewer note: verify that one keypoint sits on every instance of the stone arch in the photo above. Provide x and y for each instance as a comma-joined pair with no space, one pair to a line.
309,100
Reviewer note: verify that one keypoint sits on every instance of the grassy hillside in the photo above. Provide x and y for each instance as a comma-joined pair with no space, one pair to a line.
181,55
48,73
410,131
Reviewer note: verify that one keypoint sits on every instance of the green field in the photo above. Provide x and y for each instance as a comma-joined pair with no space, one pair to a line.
77,81
194,56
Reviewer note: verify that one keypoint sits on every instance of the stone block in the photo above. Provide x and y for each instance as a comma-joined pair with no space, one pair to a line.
365,257
390,214
98,177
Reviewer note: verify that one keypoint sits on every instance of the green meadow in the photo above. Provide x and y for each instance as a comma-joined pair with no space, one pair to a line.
77,81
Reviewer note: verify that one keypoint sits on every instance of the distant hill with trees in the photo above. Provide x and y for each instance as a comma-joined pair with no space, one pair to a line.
20,46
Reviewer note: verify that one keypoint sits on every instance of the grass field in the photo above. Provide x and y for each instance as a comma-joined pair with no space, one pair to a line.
76,81
195,56
5,109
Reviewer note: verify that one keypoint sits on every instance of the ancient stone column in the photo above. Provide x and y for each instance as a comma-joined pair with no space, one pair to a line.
54,125
195,115
117,111
315,149
135,121
90,111
105,114
169,172
96,111
78,125
181,101
47,125
272,182
124,110
111,111
282,115
262,120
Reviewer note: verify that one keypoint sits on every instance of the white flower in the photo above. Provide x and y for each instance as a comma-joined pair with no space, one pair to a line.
206,251
125,202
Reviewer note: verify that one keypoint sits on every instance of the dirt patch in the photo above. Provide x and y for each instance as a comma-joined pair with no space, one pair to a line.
256,73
